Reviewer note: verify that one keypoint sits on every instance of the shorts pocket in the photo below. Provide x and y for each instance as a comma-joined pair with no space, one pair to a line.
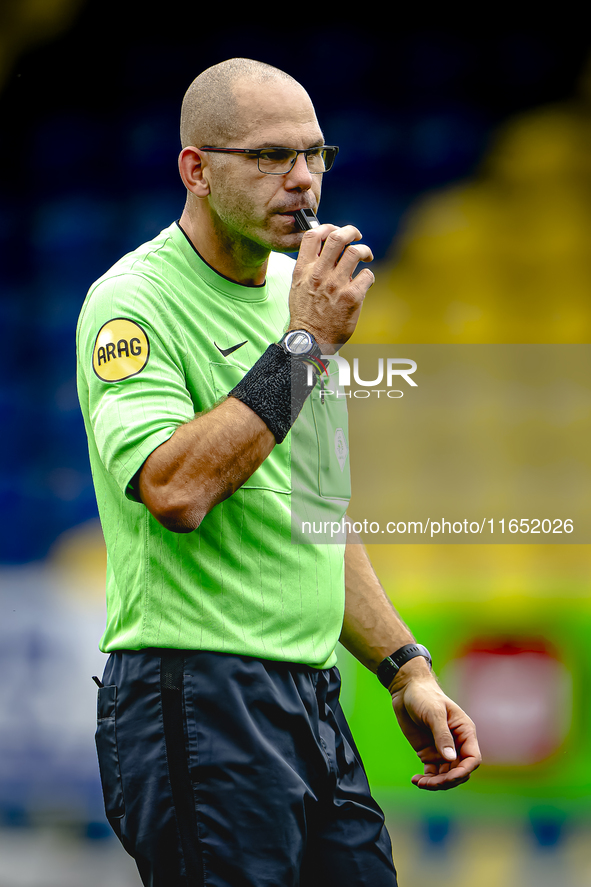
108,755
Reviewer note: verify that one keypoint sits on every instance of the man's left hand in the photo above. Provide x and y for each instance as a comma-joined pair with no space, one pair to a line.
442,735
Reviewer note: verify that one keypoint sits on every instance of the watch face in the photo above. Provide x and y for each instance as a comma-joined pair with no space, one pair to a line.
298,342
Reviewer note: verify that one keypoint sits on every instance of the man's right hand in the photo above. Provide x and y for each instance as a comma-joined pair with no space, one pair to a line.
325,298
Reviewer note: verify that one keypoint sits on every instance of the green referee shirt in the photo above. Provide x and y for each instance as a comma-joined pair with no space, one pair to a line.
149,339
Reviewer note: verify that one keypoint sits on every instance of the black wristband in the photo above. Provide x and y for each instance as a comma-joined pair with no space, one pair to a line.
275,388
391,665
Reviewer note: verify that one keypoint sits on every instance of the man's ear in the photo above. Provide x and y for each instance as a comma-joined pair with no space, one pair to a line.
193,171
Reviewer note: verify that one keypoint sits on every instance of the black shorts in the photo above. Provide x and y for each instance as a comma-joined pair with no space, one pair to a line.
229,771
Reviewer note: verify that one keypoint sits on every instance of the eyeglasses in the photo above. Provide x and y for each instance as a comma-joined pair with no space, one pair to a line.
279,161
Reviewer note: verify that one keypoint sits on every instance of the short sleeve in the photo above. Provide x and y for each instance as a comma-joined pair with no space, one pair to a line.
131,374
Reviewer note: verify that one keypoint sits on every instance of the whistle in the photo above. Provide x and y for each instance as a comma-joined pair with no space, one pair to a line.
306,219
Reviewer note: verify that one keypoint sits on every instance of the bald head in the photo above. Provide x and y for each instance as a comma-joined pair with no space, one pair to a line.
213,110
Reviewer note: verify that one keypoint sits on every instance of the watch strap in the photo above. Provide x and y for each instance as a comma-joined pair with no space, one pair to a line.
391,665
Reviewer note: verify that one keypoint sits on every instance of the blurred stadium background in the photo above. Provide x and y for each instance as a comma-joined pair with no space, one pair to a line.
466,161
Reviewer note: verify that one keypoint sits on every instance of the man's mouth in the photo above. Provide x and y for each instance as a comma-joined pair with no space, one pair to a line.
290,210
289,213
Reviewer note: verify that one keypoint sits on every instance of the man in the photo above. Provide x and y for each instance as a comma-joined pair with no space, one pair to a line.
225,757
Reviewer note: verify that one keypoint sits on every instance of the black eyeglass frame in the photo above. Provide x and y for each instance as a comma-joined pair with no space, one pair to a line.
256,152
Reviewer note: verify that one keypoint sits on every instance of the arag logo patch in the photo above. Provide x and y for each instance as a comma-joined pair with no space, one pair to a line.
121,350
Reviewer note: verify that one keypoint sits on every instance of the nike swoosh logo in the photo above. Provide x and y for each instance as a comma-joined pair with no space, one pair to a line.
226,351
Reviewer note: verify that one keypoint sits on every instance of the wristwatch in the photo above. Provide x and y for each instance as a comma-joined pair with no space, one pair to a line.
391,665
300,343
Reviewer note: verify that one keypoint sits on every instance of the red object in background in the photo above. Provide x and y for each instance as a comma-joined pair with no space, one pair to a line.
519,695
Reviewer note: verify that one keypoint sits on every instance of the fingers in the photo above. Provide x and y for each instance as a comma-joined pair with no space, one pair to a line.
347,261
313,242
325,298
441,781
440,777
444,741
338,260
342,246
330,247
360,284
463,731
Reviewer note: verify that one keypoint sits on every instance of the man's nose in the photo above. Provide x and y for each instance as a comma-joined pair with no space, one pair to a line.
299,176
